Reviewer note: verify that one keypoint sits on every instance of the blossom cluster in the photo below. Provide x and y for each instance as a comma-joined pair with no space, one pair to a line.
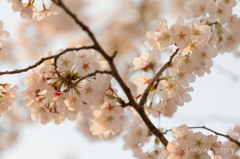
197,42
136,136
28,11
234,134
194,59
8,94
55,98
226,35
189,145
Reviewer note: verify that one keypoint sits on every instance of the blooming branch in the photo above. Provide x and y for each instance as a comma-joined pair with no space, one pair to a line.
156,77
116,75
217,133
44,59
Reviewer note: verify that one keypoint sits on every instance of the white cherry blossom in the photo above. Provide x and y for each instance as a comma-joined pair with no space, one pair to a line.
142,82
167,107
4,35
171,89
75,103
41,112
16,5
142,61
27,11
66,62
181,34
197,8
219,10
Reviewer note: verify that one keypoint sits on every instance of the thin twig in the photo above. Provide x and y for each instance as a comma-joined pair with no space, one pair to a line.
44,59
114,55
58,73
217,133
226,136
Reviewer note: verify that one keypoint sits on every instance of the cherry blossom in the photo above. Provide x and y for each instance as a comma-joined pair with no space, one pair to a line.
48,96
142,82
106,120
8,95
191,145
181,34
16,5
219,10
27,11
142,61
66,62
197,8
4,35
53,10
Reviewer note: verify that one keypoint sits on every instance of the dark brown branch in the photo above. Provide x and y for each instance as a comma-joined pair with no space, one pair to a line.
125,104
155,78
44,59
116,75
204,127
149,125
166,131
114,55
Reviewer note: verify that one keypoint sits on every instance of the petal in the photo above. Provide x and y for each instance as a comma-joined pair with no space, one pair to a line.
138,80
144,55
142,88
144,74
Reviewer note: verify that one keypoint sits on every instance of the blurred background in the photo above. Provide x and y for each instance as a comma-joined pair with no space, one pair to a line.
118,25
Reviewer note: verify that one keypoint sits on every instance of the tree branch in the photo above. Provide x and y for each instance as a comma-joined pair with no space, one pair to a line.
155,78
114,55
44,59
98,48
150,126
204,127
226,136
115,74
